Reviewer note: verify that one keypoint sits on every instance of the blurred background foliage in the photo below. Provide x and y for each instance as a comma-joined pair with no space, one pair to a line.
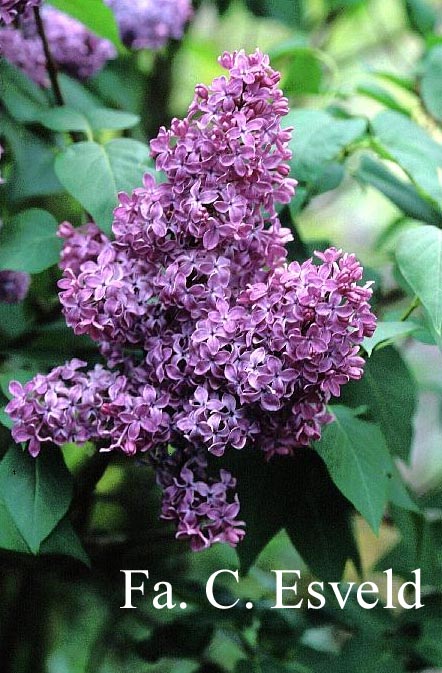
364,79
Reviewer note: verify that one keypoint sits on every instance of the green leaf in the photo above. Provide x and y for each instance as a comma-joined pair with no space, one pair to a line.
36,492
348,5
265,665
386,239
261,513
387,332
63,540
10,536
330,179
431,82
422,15
289,12
420,546
418,154
404,195
299,200
95,15
94,174
76,96
305,72
364,656
319,520
6,421
419,257
389,390
405,83
398,494
65,119
111,85
29,242
23,99
33,168
106,118
382,95
15,319
295,493
358,461
318,139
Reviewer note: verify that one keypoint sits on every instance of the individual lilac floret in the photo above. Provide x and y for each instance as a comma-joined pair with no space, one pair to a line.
213,341
149,24
14,286
74,49
204,509
11,9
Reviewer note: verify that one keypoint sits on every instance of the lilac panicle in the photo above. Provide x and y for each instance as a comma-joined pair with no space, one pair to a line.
74,48
14,286
204,509
213,341
149,24
11,9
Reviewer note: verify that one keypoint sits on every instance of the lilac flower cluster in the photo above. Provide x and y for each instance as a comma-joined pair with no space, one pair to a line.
149,24
11,9
215,342
199,505
58,407
68,405
21,45
74,49
14,286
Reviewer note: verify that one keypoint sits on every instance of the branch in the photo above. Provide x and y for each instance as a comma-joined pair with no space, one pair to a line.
50,65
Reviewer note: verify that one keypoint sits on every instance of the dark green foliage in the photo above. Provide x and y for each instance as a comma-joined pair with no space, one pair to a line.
71,519
388,390
296,494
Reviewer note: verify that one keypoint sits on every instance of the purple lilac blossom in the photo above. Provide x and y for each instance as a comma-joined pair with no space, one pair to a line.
14,286
22,46
149,24
68,405
213,341
204,509
74,49
11,9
